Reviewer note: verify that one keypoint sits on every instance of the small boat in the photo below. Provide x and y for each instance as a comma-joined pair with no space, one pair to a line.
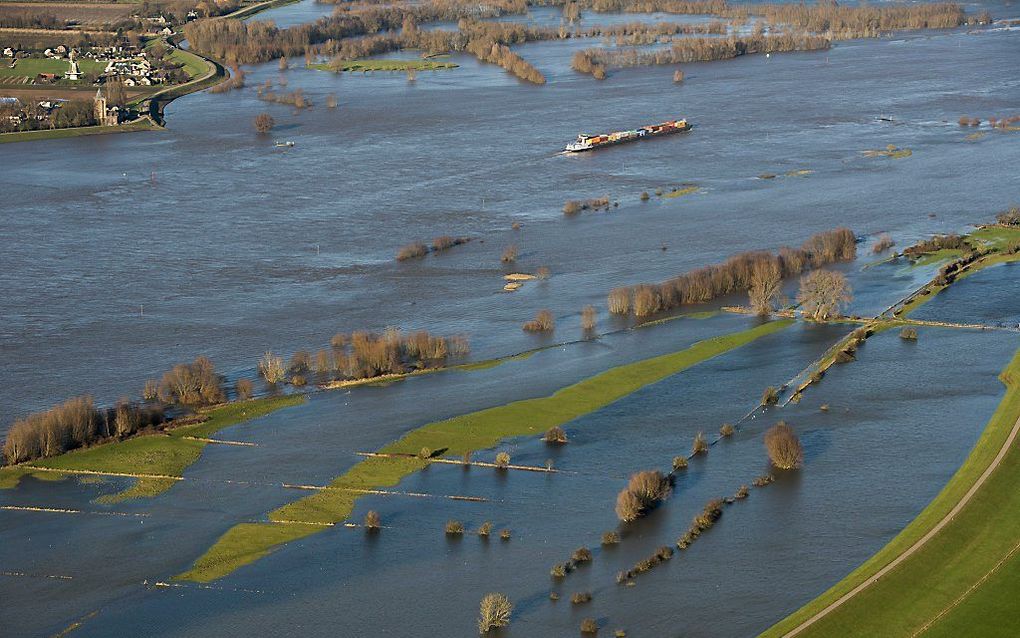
286,144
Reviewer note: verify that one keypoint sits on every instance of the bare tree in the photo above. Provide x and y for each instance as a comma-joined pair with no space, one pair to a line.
588,317
823,293
494,612
766,283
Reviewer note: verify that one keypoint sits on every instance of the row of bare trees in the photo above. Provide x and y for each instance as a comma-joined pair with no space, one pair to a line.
742,272
73,424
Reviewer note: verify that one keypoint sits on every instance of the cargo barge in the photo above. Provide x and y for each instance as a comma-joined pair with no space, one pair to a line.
591,142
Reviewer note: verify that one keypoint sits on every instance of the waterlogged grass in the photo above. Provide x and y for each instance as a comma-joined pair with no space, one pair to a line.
165,454
58,133
385,65
956,582
246,543
680,192
890,151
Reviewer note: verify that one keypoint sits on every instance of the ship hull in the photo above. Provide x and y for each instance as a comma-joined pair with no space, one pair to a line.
578,148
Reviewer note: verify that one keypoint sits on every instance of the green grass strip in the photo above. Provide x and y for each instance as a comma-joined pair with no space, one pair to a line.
166,454
246,543
938,578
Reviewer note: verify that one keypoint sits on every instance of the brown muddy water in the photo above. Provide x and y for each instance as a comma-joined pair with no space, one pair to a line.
125,254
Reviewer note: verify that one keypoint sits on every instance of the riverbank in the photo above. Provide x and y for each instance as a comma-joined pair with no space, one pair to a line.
247,542
162,457
142,124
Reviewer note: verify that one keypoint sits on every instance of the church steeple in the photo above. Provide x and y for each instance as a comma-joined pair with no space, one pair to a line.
99,108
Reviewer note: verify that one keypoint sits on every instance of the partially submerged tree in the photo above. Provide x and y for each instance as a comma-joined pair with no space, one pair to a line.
823,293
264,123
644,491
766,283
494,612
784,447
271,368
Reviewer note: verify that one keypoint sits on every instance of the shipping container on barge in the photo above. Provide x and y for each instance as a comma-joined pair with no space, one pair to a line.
591,142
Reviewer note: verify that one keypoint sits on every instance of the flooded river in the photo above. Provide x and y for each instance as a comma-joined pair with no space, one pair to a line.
125,254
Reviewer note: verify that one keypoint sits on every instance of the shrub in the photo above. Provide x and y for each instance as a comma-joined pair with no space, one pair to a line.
445,242
581,597
700,445
494,612
783,447
679,463
645,196
543,322
883,244
414,250
503,460
338,341
298,380
553,596
589,626
425,453
542,272
454,528
763,480
243,389
742,492
301,361
509,255
619,301
191,384
150,392
610,538
485,529
559,570
271,368
644,491
770,396
726,430
588,315
581,555
264,123
909,334
845,356
572,207
504,534
555,434
372,521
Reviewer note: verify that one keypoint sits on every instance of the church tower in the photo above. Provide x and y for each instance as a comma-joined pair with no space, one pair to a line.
99,108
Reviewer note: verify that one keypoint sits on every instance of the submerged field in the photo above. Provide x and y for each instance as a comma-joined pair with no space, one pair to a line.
208,239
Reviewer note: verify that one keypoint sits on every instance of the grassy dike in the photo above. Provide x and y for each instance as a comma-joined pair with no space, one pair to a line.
165,455
955,584
247,542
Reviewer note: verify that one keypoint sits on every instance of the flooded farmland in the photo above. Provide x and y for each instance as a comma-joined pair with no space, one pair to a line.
126,254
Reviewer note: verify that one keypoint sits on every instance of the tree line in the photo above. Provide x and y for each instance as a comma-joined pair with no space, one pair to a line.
73,424
737,274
